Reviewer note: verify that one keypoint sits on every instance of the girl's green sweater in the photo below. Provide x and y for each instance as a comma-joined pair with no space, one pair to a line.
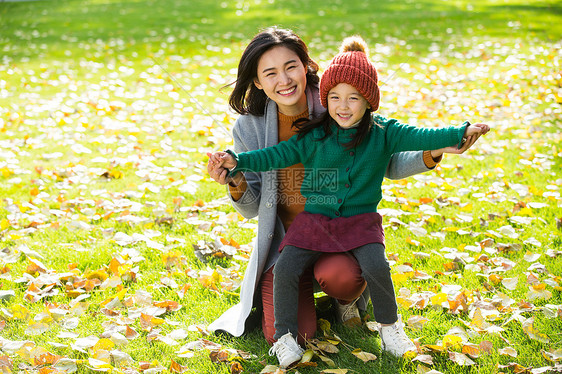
340,182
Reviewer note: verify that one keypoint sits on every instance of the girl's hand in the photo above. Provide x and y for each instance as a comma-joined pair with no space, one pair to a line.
469,142
477,129
472,133
223,159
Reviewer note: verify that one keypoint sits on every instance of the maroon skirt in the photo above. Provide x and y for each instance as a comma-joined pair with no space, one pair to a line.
317,232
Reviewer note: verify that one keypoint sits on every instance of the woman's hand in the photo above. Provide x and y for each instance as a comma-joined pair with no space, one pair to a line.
219,174
218,166
471,137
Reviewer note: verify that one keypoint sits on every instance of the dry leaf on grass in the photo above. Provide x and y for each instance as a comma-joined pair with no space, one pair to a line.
363,356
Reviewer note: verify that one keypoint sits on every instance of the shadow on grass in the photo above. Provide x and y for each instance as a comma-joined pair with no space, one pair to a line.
544,9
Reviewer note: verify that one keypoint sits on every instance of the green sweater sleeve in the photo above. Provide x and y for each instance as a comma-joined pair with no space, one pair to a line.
279,156
400,137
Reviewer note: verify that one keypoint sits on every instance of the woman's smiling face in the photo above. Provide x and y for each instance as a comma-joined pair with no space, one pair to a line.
282,77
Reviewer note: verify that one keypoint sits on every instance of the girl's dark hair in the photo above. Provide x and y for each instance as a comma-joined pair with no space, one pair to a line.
246,98
324,121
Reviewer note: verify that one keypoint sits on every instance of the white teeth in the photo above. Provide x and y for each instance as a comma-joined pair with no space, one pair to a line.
287,91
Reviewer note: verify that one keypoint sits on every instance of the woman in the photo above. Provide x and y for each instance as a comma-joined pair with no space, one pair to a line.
276,85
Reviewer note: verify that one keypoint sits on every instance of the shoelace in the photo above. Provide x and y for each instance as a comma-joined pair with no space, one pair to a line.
397,332
397,335
349,309
282,347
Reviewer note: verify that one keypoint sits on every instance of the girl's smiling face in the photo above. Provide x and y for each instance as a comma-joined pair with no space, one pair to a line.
282,77
346,105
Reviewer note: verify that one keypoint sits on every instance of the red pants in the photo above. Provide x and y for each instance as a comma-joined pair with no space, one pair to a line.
339,276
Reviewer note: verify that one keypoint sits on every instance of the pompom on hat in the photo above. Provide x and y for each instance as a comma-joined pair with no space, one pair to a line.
352,66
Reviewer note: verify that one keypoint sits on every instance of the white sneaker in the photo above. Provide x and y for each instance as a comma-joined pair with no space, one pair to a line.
395,340
348,314
287,349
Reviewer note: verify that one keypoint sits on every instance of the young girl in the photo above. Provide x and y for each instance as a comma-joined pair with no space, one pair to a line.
345,154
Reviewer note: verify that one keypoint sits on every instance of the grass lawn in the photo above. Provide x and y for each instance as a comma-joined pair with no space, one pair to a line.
117,249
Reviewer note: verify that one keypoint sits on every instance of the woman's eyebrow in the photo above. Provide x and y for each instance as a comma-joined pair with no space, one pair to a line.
285,64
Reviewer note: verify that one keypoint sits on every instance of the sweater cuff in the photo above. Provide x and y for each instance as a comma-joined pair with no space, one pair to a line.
236,192
429,161
232,172
464,126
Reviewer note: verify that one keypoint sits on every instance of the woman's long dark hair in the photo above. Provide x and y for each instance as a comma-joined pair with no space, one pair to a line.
324,121
246,98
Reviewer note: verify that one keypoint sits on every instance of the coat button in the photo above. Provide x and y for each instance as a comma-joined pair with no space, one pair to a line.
337,214
347,169
270,236
269,205
347,185
351,153
339,201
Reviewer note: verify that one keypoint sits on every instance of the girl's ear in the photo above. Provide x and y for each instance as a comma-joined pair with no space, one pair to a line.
257,84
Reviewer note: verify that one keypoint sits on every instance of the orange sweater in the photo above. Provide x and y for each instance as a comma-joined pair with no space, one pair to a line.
291,202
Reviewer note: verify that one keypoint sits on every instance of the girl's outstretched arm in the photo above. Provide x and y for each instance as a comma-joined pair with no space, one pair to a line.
469,142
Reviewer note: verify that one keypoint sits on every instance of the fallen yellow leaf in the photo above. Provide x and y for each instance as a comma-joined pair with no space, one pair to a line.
439,299
508,351
538,291
452,341
104,344
532,332
363,356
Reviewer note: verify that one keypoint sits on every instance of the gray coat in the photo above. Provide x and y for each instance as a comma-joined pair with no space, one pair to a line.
260,199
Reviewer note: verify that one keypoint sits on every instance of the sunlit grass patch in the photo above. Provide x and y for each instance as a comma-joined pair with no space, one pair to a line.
117,249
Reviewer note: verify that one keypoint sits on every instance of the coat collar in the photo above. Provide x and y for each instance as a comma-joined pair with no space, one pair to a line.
315,109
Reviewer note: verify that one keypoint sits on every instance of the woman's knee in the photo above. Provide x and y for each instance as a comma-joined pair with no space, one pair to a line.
339,276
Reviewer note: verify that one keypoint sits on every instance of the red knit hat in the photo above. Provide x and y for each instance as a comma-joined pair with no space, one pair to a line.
352,66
